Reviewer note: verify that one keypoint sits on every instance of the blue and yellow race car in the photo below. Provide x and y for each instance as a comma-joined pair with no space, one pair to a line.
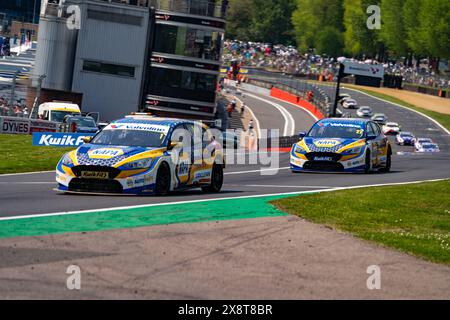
144,155
337,144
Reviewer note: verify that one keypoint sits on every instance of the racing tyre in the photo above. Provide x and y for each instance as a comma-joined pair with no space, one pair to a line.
216,180
162,185
367,166
387,168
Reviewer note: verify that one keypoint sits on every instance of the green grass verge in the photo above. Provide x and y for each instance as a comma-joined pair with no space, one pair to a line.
18,155
443,119
414,219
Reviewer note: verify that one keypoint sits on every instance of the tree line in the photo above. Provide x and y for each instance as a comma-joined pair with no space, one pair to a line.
409,28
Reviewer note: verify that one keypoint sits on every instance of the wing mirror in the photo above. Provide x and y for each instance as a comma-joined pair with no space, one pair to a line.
371,138
87,139
174,145
301,135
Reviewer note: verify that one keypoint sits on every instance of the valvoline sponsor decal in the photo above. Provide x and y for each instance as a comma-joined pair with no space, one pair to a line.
59,139
326,143
105,153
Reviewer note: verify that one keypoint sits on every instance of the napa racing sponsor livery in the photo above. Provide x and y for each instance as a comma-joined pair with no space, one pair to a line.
144,155
349,145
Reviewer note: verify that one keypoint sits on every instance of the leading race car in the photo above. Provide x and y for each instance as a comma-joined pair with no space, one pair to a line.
336,144
144,155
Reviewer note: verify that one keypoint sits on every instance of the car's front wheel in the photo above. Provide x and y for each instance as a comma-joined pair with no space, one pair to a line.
368,163
162,185
216,179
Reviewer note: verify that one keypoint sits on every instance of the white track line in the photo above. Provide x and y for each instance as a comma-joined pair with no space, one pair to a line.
23,173
28,182
399,105
214,199
258,126
298,106
289,123
278,186
256,171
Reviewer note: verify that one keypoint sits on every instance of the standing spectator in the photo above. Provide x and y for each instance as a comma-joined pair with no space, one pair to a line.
250,126
242,109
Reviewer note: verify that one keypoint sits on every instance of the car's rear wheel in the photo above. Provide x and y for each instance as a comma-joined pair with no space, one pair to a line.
368,164
162,186
216,179
387,168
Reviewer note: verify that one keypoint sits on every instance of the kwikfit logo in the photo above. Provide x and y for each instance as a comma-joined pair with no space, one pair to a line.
66,140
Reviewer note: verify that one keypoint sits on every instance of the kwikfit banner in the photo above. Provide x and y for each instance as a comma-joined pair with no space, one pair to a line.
59,139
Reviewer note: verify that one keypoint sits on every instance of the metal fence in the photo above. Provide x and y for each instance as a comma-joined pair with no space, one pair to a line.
297,87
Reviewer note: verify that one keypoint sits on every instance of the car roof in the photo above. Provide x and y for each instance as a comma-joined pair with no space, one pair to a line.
154,120
346,120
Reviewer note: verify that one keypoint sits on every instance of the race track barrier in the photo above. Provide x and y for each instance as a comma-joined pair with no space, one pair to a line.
18,125
289,97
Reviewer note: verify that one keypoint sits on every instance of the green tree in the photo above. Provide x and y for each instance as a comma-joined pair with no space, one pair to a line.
240,15
312,16
434,19
393,32
330,41
271,21
359,39
411,25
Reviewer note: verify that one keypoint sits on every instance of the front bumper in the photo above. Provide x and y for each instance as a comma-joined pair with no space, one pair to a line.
70,180
338,164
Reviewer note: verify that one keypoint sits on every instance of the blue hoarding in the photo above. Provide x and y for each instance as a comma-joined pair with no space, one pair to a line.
59,139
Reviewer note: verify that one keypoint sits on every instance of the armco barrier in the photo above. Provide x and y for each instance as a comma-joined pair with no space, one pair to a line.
289,97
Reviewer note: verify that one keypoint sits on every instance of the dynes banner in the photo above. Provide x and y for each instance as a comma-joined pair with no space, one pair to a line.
16,125
59,139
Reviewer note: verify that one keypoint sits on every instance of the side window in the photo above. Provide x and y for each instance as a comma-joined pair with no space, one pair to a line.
370,131
376,128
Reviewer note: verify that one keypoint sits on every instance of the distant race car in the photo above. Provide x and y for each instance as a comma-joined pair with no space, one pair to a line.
364,111
428,147
144,155
337,144
405,139
379,118
350,104
391,128
419,141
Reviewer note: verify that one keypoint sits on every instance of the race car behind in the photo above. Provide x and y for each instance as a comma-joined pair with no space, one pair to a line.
337,144
391,128
405,139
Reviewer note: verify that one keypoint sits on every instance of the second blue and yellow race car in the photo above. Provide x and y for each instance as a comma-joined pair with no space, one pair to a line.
346,145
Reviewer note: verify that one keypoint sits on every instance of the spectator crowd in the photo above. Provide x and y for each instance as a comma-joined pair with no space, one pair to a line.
17,110
289,60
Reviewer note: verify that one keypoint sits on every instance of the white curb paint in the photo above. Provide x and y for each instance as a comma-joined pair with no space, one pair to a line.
215,199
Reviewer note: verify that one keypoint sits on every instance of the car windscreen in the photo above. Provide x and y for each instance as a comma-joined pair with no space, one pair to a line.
429,146
130,138
336,130
58,116
83,122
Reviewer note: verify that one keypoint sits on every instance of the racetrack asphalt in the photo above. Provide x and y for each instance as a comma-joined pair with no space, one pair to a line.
33,193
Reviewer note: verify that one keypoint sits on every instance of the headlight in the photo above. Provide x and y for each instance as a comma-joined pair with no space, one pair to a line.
139,164
66,160
299,149
355,150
